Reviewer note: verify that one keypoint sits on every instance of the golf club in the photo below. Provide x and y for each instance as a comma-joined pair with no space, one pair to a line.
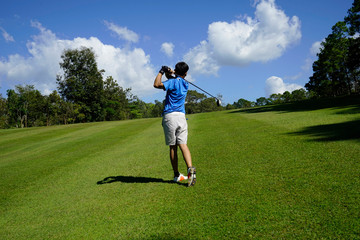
170,73
218,102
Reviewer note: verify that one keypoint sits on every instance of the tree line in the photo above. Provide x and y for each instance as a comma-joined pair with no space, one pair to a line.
276,98
83,96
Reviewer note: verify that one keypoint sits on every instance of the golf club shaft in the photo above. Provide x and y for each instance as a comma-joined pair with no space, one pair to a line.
201,89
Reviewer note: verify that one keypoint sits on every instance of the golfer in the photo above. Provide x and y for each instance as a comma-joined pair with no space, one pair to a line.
174,121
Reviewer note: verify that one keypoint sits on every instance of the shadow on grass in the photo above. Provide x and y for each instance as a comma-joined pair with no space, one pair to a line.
131,179
351,102
332,132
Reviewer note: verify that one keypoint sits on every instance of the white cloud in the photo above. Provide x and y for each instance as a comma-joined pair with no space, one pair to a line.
260,39
122,32
315,48
168,49
201,61
130,67
7,36
277,85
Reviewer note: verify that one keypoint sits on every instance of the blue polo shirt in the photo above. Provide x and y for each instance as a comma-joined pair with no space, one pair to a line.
176,90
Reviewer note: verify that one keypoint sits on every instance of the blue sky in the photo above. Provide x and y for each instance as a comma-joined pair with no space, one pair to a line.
239,49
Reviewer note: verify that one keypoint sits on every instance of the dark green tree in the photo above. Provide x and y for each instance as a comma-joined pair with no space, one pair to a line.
157,109
353,21
337,70
4,118
353,18
298,95
82,82
286,97
243,103
25,105
208,105
138,108
70,112
116,100
14,111
262,101
193,100
52,109
331,75
275,98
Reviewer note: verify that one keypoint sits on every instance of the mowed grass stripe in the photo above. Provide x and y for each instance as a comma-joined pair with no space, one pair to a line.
40,158
24,140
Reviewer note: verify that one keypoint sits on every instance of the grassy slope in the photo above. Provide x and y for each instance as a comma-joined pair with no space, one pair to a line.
290,171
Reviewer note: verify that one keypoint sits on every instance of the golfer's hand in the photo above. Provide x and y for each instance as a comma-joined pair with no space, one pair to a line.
165,69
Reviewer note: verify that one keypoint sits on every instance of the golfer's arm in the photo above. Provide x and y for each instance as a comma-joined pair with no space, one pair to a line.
158,83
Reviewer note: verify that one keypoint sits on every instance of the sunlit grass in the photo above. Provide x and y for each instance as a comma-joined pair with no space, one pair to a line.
267,173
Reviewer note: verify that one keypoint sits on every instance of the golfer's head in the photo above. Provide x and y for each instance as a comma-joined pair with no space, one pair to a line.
181,69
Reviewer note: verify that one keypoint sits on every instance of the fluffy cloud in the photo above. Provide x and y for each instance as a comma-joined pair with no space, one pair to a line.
315,48
130,67
259,39
277,85
168,49
201,60
122,32
7,36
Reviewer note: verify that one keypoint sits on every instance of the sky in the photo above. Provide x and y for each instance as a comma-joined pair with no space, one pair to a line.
235,48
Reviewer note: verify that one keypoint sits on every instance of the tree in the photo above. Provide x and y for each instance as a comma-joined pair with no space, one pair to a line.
229,106
13,107
275,98
70,112
25,106
331,76
298,95
3,113
353,20
193,99
286,97
158,109
82,82
262,101
337,70
243,103
52,108
208,105
138,108
115,100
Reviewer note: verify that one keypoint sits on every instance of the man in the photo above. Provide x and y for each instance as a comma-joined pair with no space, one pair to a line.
174,120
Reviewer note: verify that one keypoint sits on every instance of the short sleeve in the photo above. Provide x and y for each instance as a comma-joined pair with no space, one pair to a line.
169,84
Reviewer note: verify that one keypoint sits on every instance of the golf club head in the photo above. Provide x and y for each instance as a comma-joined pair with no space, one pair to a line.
218,102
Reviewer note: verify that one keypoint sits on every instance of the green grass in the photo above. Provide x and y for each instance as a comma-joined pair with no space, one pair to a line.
276,172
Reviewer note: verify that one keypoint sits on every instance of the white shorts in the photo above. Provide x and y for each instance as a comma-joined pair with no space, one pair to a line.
175,128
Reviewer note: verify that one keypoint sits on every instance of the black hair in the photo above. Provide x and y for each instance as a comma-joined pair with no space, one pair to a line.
181,68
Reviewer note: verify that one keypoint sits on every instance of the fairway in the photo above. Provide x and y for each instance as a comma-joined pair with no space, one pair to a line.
275,172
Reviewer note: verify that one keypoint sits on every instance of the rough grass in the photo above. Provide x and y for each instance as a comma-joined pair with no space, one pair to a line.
276,172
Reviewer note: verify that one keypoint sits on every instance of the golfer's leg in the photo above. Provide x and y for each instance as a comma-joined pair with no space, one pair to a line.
174,158
186,154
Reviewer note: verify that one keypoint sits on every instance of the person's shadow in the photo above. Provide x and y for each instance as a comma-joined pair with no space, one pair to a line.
131,179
